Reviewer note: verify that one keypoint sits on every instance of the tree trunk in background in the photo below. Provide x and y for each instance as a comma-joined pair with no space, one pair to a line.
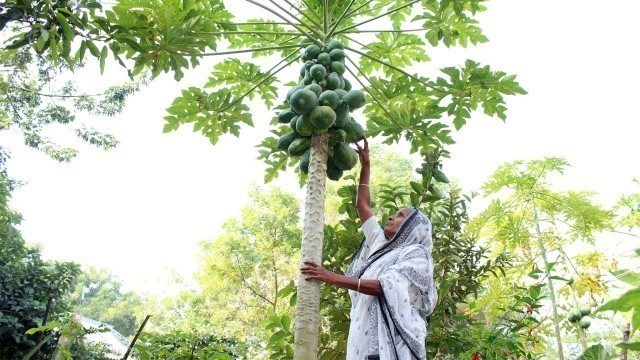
307,323
66,341
625,338
552,294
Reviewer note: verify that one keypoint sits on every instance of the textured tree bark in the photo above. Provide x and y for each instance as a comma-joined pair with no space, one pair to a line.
308,299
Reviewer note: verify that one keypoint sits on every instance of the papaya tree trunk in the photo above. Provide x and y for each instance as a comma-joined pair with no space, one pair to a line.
552,294
307,323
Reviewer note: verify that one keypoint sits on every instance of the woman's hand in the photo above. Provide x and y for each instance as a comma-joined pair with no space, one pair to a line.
317,272
363,153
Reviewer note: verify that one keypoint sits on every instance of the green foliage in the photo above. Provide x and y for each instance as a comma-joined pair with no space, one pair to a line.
213,114
164,35
455,327
472,86
99,295
52,27
535,224
26,283
451,22
187,345
629,301
403,105
280,343
628,210
261,34
596,352
250,263
89,351
31,101
239,77
70,335
395,48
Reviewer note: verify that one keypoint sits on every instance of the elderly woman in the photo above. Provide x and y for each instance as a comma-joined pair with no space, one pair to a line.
390,281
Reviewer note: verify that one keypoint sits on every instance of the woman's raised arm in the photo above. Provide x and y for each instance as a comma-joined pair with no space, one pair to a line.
363,202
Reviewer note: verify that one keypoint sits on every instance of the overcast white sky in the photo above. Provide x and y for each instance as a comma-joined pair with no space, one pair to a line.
141,209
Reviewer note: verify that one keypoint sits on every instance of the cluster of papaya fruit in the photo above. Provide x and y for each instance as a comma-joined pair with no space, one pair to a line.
579,315
322,104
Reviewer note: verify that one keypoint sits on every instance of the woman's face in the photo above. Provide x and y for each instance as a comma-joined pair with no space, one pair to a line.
394,222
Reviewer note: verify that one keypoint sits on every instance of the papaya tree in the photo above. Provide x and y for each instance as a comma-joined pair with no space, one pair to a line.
536,224
354,54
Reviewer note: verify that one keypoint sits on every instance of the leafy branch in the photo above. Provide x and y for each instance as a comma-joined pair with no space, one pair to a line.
377,17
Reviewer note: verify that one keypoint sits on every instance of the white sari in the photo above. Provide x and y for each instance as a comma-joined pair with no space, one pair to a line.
393,326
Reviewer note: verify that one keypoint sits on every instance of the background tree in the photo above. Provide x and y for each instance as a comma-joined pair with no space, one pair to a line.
99,295
536,225
27,284
46,41
253,259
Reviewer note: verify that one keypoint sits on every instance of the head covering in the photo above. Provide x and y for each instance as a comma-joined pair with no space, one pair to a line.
415,230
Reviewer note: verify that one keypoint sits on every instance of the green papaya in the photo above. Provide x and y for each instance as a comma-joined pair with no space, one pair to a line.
308,64
337,67
355,99
318,72
312,51
329,98
333,81
347,84
292,123
292,90
307,80
285,116
341,93
337,136
322,117
299,146
303,101
324,59
575,315
585,322
285,140
335,44
337,54
344,156
342,115
304,126
585,310
354,131
304,161
317,89
333,172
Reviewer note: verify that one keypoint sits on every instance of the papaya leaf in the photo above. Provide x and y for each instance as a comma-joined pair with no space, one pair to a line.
276,160
596,352
213,114
628,277
449,22
398,49
629,345
472,86
166,40
262,34
239,77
